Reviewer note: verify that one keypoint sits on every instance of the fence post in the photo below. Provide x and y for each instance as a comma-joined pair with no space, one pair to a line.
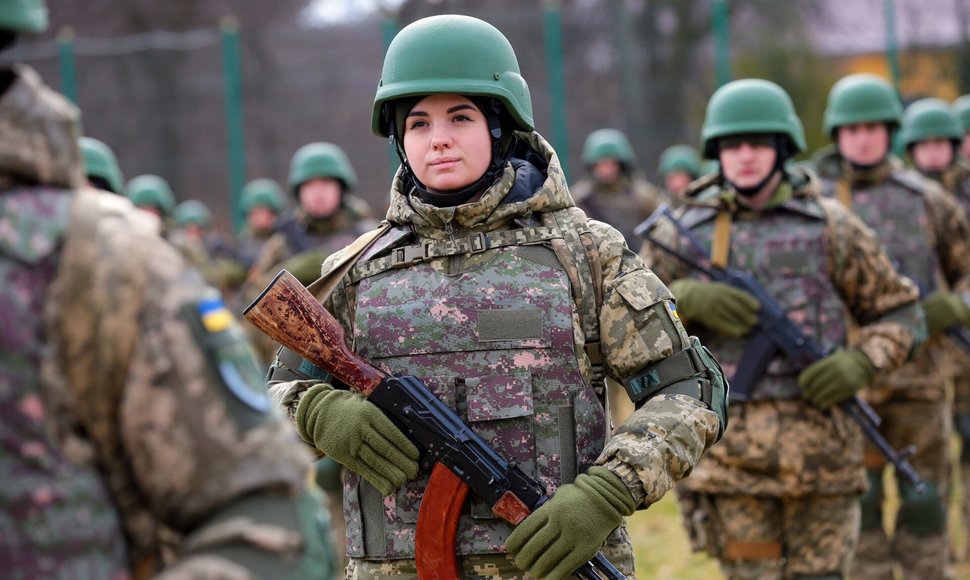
232,77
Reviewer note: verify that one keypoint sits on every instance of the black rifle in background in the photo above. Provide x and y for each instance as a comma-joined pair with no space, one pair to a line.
774,333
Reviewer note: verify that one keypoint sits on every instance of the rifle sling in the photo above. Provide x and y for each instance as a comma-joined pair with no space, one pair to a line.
721,244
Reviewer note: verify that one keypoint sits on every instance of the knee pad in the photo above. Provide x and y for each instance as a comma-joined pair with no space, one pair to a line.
871,502
922,514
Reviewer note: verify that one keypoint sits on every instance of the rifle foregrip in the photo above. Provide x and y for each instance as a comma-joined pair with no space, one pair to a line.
289,314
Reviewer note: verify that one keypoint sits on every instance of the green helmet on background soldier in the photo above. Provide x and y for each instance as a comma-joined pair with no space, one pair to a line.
679,158
750,107
930,119
151,191
23,15
452,54
861,98
101,165
192,211
608,144
961,107
262,192
321,160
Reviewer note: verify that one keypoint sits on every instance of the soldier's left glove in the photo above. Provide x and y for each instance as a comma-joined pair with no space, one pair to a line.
943,310
570,528
836,377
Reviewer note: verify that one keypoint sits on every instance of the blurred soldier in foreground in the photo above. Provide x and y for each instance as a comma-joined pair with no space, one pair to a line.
925,233
136,435
932,134
678,166
778,498
614,190
101,166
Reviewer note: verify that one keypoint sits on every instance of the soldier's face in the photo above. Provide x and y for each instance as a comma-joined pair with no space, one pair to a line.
746,164
320,197
933,154
447,142
261,219
607,170
677,182
864,143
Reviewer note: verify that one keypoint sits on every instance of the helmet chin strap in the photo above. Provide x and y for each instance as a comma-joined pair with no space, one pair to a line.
450,198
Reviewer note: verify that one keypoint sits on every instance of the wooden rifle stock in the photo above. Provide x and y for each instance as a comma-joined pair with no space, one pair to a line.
290,315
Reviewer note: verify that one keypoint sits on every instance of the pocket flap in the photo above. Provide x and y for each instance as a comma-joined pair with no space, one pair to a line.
499,396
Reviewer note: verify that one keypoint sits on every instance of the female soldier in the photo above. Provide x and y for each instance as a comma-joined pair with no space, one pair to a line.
495,291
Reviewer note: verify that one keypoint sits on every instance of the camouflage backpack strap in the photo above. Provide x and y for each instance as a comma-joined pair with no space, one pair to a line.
578,254
93,334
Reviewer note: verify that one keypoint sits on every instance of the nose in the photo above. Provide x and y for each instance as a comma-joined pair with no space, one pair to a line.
440,138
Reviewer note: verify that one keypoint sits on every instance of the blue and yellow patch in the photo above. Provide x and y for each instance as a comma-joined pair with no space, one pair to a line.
214,315
672,309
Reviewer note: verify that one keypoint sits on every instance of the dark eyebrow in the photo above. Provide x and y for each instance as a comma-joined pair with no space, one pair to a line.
460,107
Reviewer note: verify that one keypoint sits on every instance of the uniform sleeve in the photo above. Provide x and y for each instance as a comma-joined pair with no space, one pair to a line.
660,443
884,303
206,446
952,239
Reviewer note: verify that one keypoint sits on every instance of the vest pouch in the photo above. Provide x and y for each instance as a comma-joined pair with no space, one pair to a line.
500,409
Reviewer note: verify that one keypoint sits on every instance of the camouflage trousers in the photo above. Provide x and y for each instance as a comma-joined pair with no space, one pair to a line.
918,545
961,415
480,567
774,538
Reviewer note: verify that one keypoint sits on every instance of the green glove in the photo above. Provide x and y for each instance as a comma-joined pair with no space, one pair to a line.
305,266
722,308
835,377
355,433
568,530
943,310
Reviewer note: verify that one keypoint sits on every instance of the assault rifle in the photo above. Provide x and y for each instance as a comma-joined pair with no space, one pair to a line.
773,333
459,459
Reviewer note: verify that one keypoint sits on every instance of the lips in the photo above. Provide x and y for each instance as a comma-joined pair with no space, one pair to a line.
444,161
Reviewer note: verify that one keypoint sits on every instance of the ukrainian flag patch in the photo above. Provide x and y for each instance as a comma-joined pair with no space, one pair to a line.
214,315
672,308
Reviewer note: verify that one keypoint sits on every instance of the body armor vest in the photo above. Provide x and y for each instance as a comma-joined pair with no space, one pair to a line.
300,237
56,516
496,343
784,249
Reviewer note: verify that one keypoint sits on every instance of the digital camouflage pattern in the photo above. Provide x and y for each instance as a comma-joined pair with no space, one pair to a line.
779,445
654,449
925,230
623,204
119,431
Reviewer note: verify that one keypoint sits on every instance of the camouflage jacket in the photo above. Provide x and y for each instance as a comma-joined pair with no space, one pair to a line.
956,180
779,445
663,439
130,444
623,205
925,232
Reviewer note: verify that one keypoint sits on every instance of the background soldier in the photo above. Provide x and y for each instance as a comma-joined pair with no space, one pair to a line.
152,194
494,330
778,498
678,166
961,107
614,189
136,432
925,232
933,134
262,203
101,166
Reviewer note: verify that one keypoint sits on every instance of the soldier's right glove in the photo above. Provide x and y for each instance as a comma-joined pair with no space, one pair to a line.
722,308
836,377
355,433
943,310
568,530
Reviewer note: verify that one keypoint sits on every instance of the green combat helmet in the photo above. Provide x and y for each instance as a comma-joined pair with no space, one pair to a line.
192,211
452,54
152,191
101,165
930,119
608,144
262,192
23,15
324,160
679,158
861,98
750,107
961,107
